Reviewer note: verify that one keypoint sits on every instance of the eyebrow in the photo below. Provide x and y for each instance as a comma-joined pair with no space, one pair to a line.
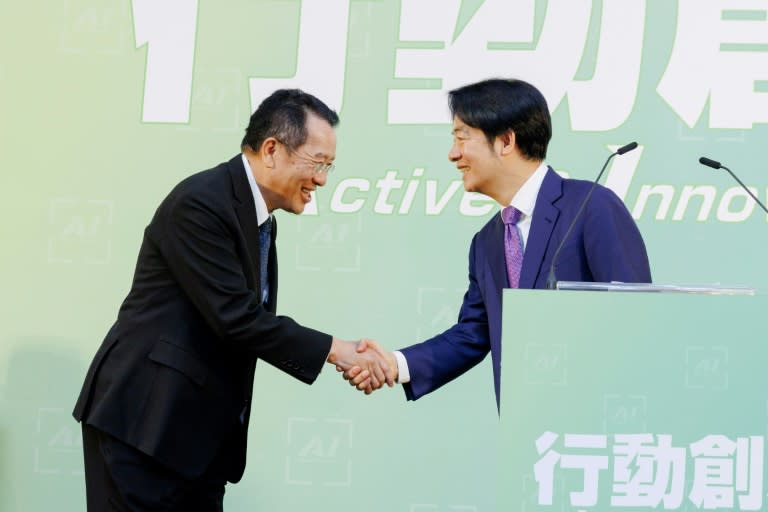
322,156
319,154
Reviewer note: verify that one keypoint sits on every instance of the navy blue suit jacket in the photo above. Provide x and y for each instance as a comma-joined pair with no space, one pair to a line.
605,245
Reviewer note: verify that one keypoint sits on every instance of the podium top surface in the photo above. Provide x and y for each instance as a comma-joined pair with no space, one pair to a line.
655,288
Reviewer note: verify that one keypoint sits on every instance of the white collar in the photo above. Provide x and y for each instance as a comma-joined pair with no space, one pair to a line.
262,214
525,199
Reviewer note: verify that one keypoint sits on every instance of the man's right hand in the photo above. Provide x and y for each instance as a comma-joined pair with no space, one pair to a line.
359,377
364,363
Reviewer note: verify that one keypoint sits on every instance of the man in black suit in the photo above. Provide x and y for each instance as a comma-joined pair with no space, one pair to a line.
166,402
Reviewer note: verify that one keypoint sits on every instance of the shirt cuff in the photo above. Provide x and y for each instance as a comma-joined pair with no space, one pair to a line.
403,376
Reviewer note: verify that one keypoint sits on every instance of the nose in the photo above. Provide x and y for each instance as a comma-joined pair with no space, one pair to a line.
320,178
454,154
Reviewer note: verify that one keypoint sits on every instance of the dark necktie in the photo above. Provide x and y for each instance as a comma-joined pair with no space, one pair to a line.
265,238
513,245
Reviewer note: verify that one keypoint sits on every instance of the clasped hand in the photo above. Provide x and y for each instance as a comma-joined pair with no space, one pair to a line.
365,364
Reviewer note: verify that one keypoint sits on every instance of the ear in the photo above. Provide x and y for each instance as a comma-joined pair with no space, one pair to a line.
267,152
508,142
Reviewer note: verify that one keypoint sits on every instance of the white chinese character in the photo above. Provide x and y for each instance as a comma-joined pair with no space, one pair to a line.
712,59
645,475
749,471
322,54
544,469
590,464
712,472
478,45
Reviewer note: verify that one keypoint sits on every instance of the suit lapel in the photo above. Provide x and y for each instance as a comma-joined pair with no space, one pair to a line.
545,216
245,209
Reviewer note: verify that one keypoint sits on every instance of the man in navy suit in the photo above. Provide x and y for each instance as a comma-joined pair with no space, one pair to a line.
167,399
501,129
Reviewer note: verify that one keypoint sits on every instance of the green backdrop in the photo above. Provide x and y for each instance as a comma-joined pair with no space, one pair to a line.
106,104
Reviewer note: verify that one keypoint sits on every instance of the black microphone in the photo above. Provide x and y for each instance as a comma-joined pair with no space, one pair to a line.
551,279
710,163
625,149
717,165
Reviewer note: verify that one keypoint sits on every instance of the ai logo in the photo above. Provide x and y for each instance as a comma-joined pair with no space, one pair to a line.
319,452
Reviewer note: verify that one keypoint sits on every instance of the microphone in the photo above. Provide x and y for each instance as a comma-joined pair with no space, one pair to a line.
710,163
624,149
551,279
717,165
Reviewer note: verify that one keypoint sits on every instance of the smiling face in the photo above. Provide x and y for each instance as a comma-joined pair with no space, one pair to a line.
295,174
478,161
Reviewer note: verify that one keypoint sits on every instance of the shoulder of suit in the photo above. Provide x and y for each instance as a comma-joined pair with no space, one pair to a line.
492,224
210,186
575,185
602,197
204,180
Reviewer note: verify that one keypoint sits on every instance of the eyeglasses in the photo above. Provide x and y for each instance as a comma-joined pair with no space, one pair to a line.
318,168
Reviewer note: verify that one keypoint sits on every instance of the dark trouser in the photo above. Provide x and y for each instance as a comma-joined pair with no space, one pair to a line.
120,478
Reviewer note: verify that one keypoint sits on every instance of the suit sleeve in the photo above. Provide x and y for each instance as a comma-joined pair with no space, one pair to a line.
199,247
615,249
441,359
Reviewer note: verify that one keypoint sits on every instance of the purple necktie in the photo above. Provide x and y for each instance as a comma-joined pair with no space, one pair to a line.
513,245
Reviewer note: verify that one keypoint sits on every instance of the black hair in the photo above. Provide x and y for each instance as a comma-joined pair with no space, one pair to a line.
497,105
283,115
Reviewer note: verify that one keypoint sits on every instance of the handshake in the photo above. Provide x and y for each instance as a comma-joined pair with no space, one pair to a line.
365,364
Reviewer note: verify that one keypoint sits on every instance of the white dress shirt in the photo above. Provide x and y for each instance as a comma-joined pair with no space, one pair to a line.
262,214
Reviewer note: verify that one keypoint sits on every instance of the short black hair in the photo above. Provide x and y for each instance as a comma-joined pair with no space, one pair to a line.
283,115
497,105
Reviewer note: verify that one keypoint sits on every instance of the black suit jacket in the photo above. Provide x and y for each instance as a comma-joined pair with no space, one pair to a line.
174,375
